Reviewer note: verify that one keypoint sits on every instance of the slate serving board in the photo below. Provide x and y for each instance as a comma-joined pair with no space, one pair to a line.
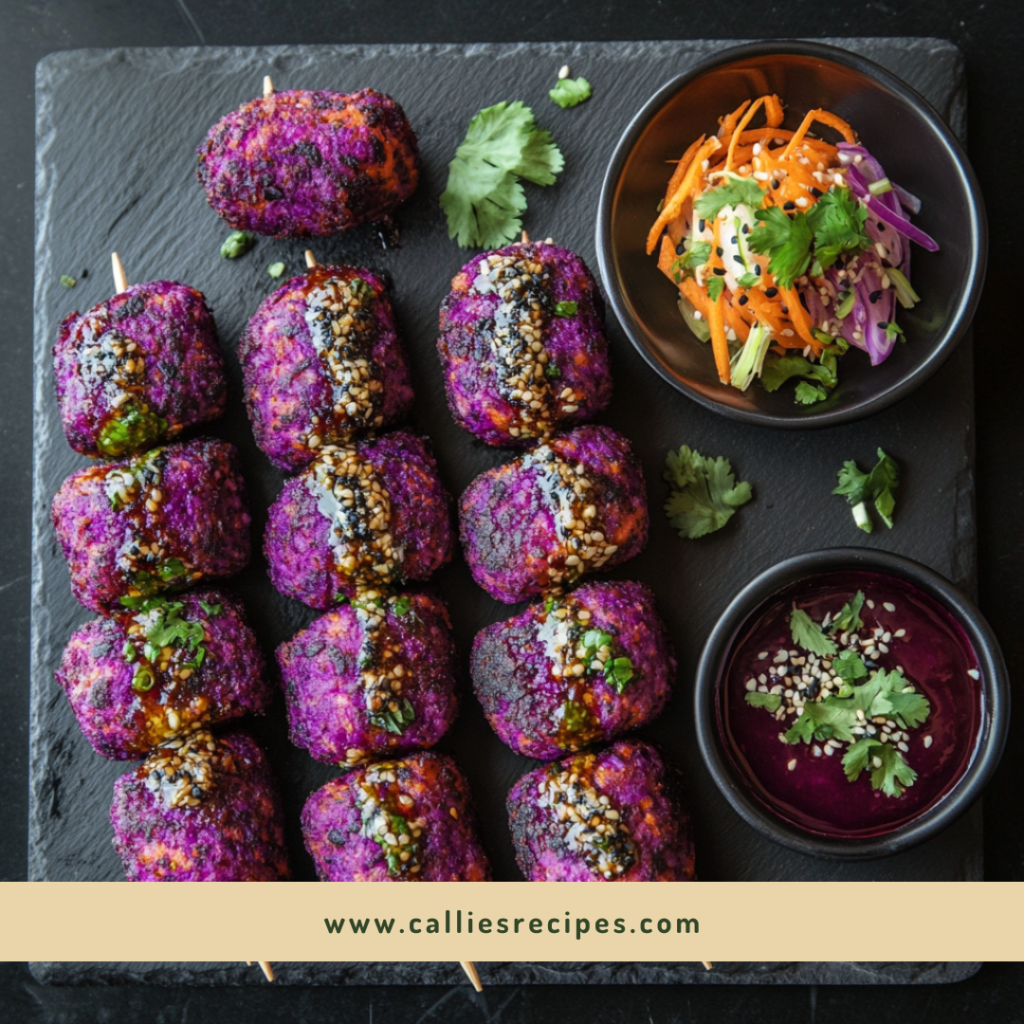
116,135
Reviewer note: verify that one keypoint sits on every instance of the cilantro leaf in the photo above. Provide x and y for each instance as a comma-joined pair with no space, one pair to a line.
705,494
483,197
566,309
894,774
771,701
859,488
808,394
715,287
856,758
394,721
735,191
786,241
777,371
696,256
746,280
849,666
213,610
823,720
837,222
849,620
618,672
808,634
568,92
402,605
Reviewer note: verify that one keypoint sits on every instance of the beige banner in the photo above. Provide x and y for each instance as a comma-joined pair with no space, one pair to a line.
359,921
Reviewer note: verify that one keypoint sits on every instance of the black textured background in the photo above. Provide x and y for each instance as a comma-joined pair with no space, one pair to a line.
989,34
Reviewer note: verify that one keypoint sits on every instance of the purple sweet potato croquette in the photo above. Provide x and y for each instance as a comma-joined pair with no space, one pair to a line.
573,505
309,163
644,837
143,677
160,521
576,670
203,810
138,369
522,344
323,364
396,821
359,517
366,680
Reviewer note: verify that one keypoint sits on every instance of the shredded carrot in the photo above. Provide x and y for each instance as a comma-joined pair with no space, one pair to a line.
822,117
798,315
773,110
736,322
681,168
671,209
744,121
667,257
716,321
727,125
698,298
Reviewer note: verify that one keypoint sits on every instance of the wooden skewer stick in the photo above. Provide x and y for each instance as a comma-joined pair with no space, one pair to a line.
707,964
120,279
268,86
526,237
265,965
310,259
470,968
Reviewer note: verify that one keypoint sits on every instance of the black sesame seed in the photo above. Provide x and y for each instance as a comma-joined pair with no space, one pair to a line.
785,310
680,248
775,183
816,192
875,296
738,259
757,269
734,240
746,229
720,271
743,300
700,225
789,206
718,249
883,324
771,292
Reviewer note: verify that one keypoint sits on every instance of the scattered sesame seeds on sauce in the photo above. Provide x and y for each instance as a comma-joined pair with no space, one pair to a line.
109,361
184,772
527,378
389,818
880,722
592,824
351,495
339,314
585,547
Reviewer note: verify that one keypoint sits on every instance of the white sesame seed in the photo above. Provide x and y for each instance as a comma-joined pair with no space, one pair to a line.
792,764
762,656
889,606
564,71
974,673
927,742
751,685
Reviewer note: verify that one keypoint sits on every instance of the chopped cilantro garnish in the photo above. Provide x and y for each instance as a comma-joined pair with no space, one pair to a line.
848,619
777,371
568,92
748,280
237,243
276,269
394,721
735,191
618,672
402,605
704,492
890,773
549,604
483,198
213,610
552,372
129,429
859,488
808,634
716,285
808,394
67,282
566,309
849,666
837,220
696,256
786,241
128,652
769,701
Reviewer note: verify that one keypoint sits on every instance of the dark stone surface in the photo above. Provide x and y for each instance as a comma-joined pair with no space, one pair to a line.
990,34
154,213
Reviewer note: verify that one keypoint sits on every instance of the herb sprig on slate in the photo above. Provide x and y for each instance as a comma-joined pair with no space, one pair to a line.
484,198
704,493
877,486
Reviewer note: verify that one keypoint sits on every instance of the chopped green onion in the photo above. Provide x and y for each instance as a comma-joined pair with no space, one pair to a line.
906,295
844,304
880,187
275,269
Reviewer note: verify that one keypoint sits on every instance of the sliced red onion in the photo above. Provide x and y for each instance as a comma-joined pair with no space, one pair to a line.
860,189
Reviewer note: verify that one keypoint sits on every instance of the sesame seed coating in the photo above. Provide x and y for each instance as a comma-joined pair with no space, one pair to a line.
571,506
202,810
396,821
608,816
309,163
129,697
322,364
158,522
359,517
517,363
372,679
567,673
138,369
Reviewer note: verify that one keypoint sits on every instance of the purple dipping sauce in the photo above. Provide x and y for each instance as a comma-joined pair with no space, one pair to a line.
936,657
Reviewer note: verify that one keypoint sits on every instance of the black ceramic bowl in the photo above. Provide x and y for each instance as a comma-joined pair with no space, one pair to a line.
913,144
980,751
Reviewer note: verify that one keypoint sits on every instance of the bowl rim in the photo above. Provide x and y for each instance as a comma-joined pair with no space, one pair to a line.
959,321
992,733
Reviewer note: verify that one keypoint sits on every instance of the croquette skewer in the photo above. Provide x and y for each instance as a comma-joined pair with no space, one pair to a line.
268,86
470,968
310,259
120,278
264,964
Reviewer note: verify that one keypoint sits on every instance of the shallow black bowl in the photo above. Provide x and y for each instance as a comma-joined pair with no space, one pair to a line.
908,137
988,747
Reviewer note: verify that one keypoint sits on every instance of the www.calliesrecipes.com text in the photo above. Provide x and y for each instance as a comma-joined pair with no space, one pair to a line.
459,923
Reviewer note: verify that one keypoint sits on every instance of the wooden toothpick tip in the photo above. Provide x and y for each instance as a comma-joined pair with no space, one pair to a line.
707,964
310,259
526,237
470,968
268,86
120,279
264,966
